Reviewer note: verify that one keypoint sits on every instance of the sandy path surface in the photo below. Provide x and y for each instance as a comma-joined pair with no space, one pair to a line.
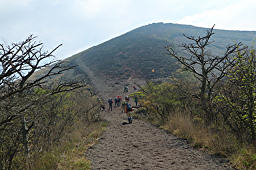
142,146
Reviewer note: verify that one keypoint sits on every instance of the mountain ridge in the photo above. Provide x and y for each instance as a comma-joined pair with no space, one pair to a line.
137,52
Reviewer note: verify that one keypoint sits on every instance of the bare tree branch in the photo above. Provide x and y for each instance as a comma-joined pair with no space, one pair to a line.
207,68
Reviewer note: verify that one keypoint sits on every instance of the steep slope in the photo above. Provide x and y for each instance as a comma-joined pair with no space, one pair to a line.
139,51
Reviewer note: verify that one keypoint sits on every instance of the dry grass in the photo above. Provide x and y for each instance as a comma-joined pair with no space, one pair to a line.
245,158
182,125
70,153
219,143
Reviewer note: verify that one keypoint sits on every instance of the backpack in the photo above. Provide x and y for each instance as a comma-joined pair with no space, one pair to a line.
110,101
129,107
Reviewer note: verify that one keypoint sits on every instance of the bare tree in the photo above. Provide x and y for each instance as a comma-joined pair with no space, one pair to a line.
207,68
19,61
18,64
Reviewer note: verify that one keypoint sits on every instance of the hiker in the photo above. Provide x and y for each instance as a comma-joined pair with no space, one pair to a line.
119,99
129,107
128,112
115,101
134,88
110,102
125,89
126,98
130,119
136,100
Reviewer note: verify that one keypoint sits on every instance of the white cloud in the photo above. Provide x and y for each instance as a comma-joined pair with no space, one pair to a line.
237,16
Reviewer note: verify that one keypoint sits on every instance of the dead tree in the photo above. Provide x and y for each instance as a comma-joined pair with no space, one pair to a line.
207,68
19,61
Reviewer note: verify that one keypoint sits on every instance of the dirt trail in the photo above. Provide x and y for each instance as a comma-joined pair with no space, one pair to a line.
142,146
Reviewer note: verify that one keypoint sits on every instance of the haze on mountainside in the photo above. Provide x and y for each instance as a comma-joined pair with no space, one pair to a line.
136,53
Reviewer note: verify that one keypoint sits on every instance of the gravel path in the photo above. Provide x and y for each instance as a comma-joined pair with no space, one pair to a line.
140,145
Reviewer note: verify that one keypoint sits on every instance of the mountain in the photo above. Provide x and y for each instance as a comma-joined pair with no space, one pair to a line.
136,53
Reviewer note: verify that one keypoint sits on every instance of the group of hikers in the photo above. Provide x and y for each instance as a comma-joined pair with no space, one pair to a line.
126,107
117,102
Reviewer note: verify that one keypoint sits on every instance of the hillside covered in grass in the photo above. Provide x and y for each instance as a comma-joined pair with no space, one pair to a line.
139,51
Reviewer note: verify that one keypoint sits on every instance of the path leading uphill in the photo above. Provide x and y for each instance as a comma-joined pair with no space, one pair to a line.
142,146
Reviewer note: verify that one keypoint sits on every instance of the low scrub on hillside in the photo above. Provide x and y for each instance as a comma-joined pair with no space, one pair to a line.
218,111
64,122
172,106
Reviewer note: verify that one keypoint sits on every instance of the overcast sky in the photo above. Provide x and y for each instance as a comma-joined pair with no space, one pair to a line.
80,24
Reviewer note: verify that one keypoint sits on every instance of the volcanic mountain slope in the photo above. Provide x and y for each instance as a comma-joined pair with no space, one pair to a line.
137,52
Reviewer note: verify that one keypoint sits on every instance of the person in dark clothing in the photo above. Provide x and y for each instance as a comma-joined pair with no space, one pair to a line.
134,88
116,101
136,100
126,89
110,102
128,112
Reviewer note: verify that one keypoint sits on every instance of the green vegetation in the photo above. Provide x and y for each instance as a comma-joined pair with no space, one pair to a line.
65,126
43,117
238,97
222,122
139,51
48,119
172,106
